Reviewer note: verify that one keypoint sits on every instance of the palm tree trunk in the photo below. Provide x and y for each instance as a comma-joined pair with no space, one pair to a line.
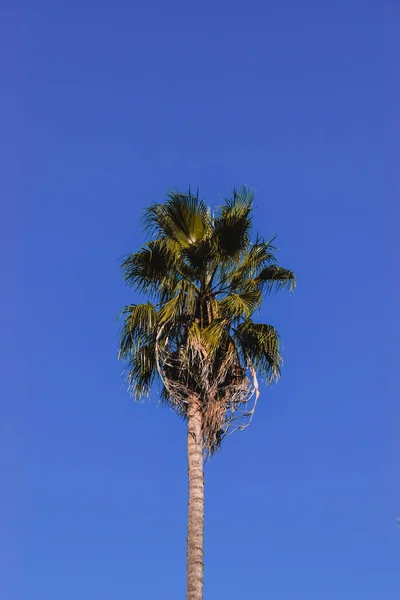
195,537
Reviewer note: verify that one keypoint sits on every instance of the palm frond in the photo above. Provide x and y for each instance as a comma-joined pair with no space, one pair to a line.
215,336
139,326
241,200
243,304
142,370
232,225
153,267
274,278
199,254
260,254
183,217
259,345
182,304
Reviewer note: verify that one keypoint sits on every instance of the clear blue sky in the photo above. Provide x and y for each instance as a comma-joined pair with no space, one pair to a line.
105,105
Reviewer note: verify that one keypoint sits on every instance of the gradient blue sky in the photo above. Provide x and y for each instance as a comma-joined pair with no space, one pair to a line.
105,105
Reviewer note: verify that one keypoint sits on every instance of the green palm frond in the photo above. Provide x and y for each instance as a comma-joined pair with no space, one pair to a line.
139,326
142,370
242,200
153,267
183,218
259,344
200,254
215,335
182,304
274,278
232,225
260,254
234,306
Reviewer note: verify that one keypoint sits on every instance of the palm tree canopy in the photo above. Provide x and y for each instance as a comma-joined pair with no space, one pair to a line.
205,279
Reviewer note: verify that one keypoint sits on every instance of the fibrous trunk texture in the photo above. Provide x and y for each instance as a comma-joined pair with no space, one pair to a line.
195,537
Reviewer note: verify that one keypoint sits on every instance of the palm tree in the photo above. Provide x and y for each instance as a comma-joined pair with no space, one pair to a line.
196,335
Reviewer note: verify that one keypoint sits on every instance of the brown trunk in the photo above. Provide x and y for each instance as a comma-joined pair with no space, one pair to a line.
196,506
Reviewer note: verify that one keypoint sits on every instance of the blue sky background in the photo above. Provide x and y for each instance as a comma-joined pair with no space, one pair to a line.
105,106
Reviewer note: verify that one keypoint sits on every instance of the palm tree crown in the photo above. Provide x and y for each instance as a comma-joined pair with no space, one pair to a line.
205,278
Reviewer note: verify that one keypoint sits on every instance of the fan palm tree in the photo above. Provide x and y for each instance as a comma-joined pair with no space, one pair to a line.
204,279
